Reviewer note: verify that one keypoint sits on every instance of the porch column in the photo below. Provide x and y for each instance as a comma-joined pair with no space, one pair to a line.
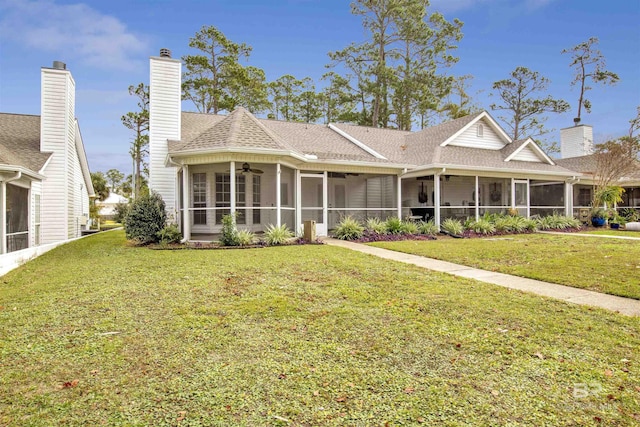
298,204
232,188
325,201
399,201
568,199
436,198
278,196
477,199
186,204
3,217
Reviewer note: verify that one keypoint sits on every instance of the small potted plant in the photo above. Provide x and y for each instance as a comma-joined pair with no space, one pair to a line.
616,221
598,217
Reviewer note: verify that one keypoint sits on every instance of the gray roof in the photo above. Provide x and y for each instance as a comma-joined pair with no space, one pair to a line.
20,141
241,129
582,164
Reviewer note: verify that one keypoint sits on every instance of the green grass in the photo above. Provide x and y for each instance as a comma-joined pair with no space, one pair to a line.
611,266
300,336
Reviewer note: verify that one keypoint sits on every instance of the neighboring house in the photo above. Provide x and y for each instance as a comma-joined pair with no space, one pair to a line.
273,172
107,207
45,185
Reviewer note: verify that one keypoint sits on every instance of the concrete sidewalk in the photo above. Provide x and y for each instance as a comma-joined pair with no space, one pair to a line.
627,306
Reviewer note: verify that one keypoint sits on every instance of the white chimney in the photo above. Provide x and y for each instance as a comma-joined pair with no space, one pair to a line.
57,135
576,141
165,93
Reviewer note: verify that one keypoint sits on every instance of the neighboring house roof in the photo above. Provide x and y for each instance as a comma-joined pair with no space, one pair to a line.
435,146
20,142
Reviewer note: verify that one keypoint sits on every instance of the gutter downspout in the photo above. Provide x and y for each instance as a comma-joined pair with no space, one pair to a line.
3,210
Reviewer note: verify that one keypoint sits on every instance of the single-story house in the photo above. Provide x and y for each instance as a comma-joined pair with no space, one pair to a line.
107,207
45,184
273,172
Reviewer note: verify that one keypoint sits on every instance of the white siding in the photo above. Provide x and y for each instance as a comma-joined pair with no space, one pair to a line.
57,135
164,124
490,140
576,141
527,154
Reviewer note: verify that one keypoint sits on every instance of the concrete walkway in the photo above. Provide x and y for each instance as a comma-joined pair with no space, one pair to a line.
627,306
602,236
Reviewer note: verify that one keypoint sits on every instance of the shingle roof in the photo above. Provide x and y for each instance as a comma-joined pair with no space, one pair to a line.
241,129
20,141
582,164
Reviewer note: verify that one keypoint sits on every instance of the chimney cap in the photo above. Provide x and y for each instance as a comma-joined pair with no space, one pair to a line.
165,53
59,65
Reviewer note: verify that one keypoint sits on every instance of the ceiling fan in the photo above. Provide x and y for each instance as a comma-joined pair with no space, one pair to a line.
246,168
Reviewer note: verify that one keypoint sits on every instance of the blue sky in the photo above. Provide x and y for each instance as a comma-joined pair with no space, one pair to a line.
106,45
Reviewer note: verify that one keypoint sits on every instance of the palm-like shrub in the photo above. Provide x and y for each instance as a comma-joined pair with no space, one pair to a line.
394,225
482,226
349,229
376,225
452,226
428,228
409,227
277,235
169,234
246,237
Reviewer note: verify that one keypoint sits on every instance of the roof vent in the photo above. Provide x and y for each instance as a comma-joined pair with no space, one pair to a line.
165,53
59,65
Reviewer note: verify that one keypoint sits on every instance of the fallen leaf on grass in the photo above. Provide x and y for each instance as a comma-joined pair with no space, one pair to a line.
409,390
70,384
341,399
181,415
495,392
608,372
539,356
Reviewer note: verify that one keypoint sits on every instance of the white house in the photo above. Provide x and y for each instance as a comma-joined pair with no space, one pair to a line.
45,184
273,172
107,207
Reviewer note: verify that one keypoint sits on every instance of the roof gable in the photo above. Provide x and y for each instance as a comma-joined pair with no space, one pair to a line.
491,137
526,151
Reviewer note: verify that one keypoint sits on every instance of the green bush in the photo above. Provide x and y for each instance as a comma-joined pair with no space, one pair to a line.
452,226
169,234
145,219
121,211
277,235
229,236
428,228
349,229
246,237
558,222
409,227
394,225
376,225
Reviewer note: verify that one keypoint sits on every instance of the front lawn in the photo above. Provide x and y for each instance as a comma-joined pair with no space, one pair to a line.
611,266
99,333
609,232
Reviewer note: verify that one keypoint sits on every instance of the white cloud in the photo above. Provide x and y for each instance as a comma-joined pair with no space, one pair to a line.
71,30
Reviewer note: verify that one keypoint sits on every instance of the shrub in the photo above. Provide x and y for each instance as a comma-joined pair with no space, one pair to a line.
375,225
246,237
482,226
229,235
145,219
394,225
452,226
169,234
558,222
277,235
121,210
409,227
428,228
349,229
630,214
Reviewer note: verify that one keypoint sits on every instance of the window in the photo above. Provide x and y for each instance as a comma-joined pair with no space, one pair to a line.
480,130
36,225
199,198
223,196
256,199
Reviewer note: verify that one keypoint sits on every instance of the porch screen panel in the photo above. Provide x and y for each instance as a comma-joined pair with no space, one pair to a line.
199,198
17,218
223,197
256,199
547,197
